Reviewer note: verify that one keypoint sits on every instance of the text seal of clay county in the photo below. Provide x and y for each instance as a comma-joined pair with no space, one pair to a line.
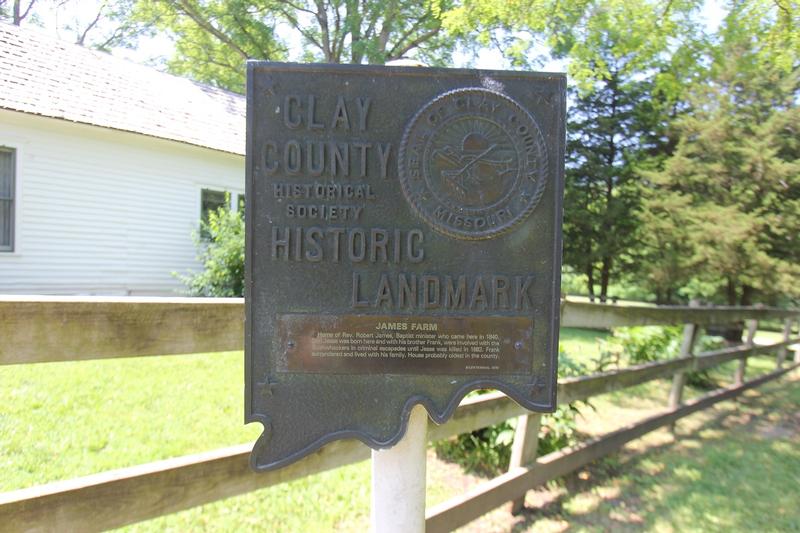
473,163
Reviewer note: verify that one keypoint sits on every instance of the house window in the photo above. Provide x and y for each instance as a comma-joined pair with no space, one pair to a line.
7,175
211,200
240,203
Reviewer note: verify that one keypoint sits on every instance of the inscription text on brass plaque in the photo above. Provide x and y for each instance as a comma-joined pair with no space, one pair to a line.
373,344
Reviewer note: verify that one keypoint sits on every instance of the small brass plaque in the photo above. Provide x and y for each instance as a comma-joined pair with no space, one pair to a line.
370,344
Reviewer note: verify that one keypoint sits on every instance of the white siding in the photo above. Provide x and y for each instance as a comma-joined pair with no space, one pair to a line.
101,211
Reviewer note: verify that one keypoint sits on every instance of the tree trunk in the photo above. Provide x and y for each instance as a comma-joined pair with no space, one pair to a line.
731,292
668,296
733,333
747,295
605,276
590,280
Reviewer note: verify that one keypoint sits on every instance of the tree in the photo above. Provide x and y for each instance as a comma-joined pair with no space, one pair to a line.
623,59
602,194
735,174
214,38
644,32
108,25
16,10
103,24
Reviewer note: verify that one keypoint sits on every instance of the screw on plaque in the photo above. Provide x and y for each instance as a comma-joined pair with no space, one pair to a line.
518,345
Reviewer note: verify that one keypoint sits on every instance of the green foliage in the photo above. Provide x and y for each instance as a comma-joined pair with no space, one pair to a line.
214,38
602,194
559,430
643,344
636,36
722,210
487,451
571,281
624,58
101,25
683,155
222,255
701,379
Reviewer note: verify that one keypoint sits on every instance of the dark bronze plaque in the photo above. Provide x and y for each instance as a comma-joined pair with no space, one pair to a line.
372,344
403,247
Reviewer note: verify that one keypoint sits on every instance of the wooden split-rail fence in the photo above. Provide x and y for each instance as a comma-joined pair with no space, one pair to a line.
47,329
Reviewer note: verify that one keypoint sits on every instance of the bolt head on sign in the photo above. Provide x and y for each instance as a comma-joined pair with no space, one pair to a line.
403,247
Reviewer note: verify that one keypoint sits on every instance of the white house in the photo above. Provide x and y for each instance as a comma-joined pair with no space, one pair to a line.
105,168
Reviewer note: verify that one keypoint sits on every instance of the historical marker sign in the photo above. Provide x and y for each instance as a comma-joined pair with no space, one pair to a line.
403,246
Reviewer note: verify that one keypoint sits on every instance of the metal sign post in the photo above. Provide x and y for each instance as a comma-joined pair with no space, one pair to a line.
398,480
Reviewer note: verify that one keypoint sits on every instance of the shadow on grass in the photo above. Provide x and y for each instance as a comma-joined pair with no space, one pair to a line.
733,468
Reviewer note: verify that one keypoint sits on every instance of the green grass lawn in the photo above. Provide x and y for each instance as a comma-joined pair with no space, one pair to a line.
732,468
61,420
583,345
64,420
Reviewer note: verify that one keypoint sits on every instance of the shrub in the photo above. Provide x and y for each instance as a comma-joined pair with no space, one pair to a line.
648,343
652,343
220,245
701,379
487,451
559,429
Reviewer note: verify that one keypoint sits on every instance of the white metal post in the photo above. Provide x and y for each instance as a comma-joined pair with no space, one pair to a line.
398,480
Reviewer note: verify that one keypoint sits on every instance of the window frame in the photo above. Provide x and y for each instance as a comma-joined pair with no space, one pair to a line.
210,189
233,192
11,247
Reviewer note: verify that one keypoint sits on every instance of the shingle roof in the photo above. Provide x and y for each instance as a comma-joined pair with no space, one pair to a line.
44,76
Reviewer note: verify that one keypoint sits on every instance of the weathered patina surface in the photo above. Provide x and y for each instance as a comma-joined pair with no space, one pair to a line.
403,246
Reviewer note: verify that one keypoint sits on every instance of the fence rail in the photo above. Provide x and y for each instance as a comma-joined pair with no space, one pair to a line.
60,329
66,328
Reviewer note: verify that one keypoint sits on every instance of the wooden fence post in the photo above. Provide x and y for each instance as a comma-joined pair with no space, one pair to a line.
797,346
690,333
524,448
738,376
787,333
526,438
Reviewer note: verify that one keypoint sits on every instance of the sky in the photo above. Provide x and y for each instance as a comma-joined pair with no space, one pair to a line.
156,50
